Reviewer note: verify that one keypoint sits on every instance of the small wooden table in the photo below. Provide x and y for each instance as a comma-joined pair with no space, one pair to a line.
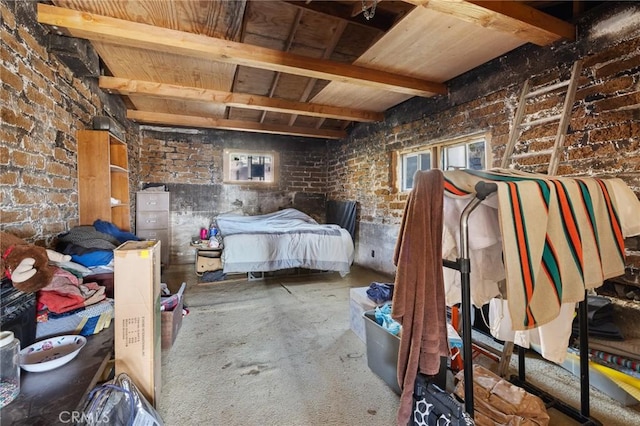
53,397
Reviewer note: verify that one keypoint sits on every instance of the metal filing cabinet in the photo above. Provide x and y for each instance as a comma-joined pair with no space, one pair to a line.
152,219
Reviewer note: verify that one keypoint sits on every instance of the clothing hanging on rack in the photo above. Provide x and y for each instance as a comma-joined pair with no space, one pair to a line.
559,235
418,299
485,247
551,339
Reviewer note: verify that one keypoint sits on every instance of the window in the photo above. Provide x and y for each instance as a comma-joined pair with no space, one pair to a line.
467,152
250,166
466,155
412,162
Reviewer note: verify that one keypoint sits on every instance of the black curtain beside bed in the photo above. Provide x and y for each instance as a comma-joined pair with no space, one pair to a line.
342,213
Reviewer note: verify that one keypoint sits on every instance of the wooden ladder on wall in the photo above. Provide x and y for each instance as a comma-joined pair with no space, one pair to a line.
523,120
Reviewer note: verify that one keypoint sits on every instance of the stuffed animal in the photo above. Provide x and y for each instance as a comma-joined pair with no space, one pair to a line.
27,265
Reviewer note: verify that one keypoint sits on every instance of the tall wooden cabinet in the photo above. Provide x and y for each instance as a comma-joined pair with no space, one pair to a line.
103,179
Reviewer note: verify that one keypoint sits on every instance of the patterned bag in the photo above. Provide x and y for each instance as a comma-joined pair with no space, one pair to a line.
434,407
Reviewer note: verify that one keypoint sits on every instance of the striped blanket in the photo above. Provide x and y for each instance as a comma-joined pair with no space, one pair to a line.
560,236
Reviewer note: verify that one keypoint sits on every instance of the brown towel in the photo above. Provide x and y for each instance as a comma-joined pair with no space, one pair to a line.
418,300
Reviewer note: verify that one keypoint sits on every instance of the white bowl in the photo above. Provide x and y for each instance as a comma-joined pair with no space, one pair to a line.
51,353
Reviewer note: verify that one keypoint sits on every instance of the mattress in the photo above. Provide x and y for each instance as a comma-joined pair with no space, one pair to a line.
282,240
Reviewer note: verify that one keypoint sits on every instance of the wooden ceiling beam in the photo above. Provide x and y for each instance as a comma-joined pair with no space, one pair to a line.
124,86
165,119
117,31
518,19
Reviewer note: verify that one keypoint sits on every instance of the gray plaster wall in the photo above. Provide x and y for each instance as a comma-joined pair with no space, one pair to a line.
193,207
375,246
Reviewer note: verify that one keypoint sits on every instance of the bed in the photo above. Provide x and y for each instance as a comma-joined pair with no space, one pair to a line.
284,239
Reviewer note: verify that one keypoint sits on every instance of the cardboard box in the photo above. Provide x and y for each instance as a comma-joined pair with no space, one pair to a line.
137,315
205,262
359,302
171,323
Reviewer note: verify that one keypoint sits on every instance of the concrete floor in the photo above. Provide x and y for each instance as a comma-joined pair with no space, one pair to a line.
543,374
273,352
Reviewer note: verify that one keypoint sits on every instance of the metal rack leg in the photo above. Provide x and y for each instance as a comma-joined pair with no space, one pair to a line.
582,416
584,356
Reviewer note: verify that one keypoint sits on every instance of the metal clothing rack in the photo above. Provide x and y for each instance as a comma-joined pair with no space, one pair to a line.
582,416
463,264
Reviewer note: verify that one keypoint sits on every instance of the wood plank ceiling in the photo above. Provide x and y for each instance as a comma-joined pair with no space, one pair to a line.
305,68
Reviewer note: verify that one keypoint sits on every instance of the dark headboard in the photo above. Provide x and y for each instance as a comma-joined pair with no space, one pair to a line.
343,213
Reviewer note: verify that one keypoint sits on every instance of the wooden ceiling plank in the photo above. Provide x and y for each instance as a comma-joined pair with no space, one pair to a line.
327,53
125,86
304,97
224,124
111,30
276,78
512,17
219,19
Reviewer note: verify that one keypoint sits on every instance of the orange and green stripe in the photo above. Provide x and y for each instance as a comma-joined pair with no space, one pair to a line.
454,189
551,267
570,226
526,270
587,202
614,220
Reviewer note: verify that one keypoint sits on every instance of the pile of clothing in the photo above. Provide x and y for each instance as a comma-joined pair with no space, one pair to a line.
66,293
382,295
380,292
93,245
601,322
77,300
71,305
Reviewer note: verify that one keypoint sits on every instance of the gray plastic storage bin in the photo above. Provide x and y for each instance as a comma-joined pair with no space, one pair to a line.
382,351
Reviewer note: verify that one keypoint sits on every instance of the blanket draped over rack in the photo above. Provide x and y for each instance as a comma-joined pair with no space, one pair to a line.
538,243
418,299
559,235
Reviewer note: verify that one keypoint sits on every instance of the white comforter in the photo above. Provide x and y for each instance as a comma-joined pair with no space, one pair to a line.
282,240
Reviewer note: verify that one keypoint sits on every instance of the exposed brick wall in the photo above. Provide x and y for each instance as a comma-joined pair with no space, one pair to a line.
196,157
190,164
603,138
43,104
179,158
